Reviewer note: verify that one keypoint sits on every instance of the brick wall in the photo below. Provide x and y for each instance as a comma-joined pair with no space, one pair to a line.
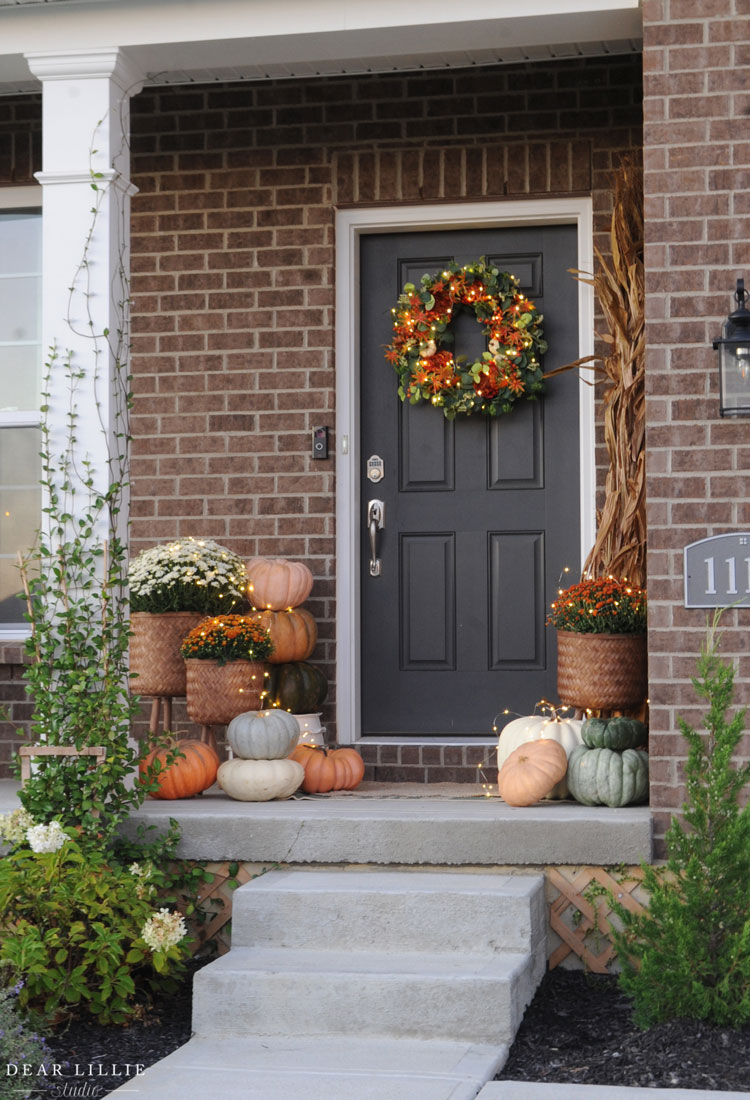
697,182
233,269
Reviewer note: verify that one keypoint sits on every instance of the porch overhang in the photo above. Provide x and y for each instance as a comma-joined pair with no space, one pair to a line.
176,42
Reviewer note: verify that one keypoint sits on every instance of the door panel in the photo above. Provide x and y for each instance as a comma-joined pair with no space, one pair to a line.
481,514
428,602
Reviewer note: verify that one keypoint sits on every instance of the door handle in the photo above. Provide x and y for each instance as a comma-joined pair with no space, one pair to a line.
375,523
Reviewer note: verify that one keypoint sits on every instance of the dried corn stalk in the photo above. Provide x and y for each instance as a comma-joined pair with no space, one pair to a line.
620,546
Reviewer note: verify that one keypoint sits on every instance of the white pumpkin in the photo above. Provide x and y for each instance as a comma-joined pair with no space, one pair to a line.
263,734
534,727
260,780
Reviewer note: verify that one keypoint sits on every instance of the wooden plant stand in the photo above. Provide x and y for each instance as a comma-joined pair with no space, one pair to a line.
27,752
161,707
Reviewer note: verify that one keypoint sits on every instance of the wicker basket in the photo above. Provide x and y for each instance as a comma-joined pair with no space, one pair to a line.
155,650
601,671
218,693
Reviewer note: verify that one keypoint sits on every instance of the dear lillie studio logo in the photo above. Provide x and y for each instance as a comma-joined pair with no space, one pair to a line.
61,1079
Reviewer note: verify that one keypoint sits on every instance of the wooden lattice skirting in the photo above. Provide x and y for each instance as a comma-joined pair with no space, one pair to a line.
581,924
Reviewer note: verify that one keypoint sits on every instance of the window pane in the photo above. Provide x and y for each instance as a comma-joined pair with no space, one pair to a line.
20,510
20,377
11,608
20,465
20,308
20,242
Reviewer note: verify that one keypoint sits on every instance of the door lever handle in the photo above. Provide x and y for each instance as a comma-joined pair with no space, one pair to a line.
375,523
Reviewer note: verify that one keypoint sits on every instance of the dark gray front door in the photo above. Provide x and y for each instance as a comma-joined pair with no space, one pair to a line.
481,514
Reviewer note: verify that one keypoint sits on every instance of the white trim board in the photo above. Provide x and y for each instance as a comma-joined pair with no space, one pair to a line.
350,226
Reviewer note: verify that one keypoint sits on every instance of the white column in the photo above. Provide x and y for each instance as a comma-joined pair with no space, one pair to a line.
85,164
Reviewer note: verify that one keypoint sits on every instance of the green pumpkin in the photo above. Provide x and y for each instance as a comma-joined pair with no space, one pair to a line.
613,733
601,777
297,687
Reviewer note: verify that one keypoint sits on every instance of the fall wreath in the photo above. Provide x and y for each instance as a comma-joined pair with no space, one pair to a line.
507,372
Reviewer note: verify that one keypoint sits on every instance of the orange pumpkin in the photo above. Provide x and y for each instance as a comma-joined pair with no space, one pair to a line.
531,771
329,769
276,584
187,775
293,634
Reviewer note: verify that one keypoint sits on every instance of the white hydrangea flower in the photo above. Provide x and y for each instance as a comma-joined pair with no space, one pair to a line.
46,838
163,930
13,826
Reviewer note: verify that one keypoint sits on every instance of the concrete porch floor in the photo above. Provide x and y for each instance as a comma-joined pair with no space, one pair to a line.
396,824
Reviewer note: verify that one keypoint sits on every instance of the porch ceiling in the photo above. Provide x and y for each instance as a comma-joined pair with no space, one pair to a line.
185,41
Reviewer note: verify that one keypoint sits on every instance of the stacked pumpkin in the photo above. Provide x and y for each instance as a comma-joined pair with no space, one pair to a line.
276,589
598,762
535,727
610,768
260,770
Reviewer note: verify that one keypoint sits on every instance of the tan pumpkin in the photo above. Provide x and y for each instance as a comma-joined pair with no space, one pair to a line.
534,727
329,769
188,774
293,634
531,771
276,584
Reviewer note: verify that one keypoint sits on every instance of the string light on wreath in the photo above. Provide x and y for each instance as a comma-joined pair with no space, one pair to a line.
508,371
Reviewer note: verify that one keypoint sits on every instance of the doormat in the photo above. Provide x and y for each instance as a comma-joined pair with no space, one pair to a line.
371,789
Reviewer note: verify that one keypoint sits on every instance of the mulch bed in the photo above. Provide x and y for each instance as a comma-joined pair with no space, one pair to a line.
579,1029
94,1059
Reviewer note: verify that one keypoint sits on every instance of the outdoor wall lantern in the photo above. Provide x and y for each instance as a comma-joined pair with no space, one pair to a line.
734,358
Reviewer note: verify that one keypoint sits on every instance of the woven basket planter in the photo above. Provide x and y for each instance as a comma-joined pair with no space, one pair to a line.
155,650
601,671
218,693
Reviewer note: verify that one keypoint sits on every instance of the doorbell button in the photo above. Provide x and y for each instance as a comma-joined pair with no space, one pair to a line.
320,443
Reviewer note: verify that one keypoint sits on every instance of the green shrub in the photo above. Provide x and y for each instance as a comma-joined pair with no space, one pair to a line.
83,930
688,956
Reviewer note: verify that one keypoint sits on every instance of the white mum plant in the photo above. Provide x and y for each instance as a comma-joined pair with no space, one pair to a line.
187,575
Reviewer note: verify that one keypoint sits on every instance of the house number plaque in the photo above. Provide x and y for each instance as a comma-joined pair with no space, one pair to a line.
717,571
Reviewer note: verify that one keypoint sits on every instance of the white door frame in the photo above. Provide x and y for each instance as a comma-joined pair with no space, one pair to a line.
350,225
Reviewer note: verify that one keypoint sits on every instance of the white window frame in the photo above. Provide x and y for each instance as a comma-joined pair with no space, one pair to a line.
19,198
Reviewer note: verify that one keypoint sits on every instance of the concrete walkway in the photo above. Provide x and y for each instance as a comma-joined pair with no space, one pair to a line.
359,1069
320,1068
531,1090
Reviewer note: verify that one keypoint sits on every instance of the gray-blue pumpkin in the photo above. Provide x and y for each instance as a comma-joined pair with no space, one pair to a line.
263,734
602,777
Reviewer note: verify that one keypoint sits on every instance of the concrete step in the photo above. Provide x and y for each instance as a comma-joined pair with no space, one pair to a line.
291,991
391,911
320,1068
